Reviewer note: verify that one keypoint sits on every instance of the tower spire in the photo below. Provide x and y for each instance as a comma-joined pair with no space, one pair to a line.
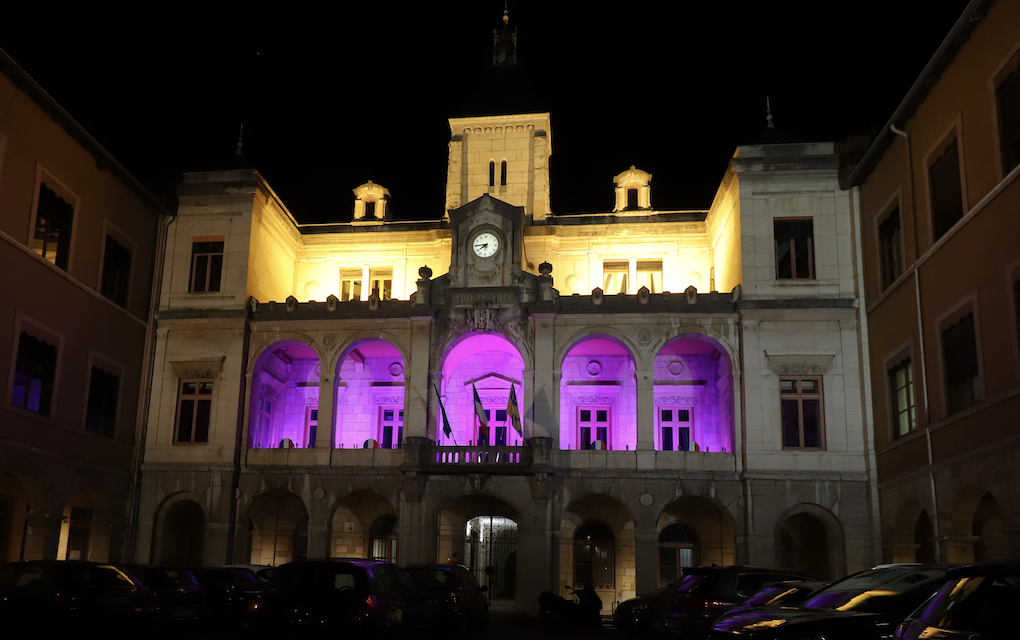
240,142
768,114
504,42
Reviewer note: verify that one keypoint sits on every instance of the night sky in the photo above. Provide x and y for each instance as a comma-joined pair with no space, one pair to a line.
331,98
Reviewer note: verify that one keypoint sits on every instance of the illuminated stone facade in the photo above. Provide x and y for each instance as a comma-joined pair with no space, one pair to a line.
689,383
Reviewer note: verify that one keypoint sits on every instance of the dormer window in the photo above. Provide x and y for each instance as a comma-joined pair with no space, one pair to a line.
370,202
633,190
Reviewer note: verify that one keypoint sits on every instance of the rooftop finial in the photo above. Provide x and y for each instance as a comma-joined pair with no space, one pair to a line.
768,113
240,144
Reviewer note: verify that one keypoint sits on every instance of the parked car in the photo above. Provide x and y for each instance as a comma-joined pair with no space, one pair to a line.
977,602
43,599
176,594
705,593
787,593
228,590
637,614
318,598
458,602
864,606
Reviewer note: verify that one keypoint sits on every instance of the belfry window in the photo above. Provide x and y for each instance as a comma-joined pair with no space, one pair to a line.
492,173
502,175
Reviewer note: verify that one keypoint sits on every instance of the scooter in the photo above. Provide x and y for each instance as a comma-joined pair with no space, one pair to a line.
583,612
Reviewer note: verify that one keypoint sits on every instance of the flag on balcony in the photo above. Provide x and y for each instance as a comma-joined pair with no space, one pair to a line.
513,411
480,412
447,431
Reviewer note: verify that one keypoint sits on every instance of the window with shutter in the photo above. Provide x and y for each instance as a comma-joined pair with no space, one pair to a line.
891,240
946,191
959,351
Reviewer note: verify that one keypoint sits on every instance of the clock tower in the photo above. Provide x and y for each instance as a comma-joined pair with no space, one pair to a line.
488,244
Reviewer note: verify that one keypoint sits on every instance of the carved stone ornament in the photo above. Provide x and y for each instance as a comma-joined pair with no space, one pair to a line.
391,400
675,368
498,401
644,336
267,389
203,368
791,362
681,400
396,369
312,401
329,340
594,400
594,368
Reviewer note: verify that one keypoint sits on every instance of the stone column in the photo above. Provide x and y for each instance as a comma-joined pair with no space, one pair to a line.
540,405
416,532
365,282
534,552
325,437
646,556
645,409
419,397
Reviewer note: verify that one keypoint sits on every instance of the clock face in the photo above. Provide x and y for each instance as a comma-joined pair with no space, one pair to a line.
485,244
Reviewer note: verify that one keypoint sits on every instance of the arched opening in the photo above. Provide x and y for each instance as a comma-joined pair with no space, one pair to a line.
678,548
632,198
484,365
502,174
594,555
383,538
356,521
693,396
804,545
989,531
280,522
711,533
480,532
370,396
597,542
14,529
598,395
924,539
492,173
183,535
284,397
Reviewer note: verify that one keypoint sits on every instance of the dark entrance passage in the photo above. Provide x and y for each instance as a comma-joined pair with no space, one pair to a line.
491,554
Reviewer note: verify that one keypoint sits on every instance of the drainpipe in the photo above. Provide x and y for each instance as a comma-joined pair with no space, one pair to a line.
745,481
235,479
145,395
920,338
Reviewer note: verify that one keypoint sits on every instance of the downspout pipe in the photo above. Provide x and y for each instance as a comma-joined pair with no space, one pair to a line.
920,339
745,481
235,479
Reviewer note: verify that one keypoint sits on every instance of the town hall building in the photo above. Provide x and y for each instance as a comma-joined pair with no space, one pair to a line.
692,386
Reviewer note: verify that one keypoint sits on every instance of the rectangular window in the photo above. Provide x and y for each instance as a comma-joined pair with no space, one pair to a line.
34,374
263,430
194,410
350,284
632,199
369,209
593,424
795,252
614,274
649,274
1007,95
946,190
53,219
891,242
101,410
901,384
959,350
391,427
675,428
116,272
311,426
382,283
800,402
206,266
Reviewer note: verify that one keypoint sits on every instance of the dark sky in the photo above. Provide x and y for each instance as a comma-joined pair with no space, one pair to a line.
333,97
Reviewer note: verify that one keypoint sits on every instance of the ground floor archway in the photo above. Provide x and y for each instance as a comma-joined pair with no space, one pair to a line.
480,532
183,534
278,526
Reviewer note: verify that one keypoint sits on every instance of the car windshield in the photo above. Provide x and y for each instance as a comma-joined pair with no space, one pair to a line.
774,594
427,578
320,577
987,604
878,591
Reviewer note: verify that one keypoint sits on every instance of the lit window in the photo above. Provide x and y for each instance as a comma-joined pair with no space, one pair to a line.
350,284
594,546
800,402
675,428
311,426
391,427
795,252
101,410
383,536
194,409
901,383
206,266
53,219
497,428
34,374
382,283
614,274
116,272
891,239
649,274
946,190
959,350
1007,95
593,424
